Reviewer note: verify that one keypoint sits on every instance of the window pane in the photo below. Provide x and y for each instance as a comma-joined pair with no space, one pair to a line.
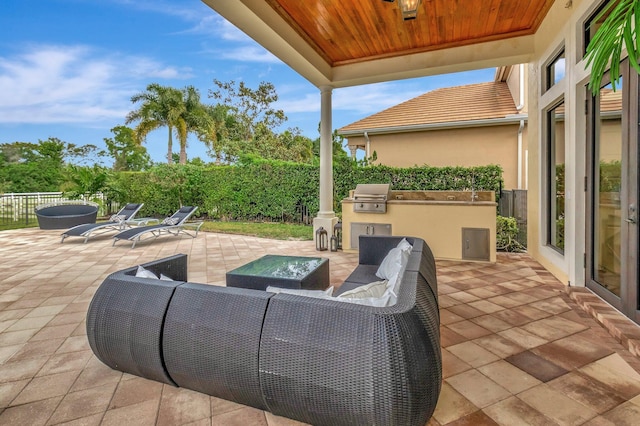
556,177
607,178
555,70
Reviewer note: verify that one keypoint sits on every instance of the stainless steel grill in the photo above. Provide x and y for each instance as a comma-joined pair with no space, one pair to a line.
371,198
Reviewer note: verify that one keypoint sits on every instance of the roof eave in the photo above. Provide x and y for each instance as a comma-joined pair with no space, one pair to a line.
510,119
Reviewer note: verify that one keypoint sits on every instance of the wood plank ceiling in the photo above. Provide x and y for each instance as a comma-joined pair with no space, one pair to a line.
350,31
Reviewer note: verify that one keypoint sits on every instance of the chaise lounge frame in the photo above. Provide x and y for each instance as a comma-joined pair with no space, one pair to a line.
87,230
154,231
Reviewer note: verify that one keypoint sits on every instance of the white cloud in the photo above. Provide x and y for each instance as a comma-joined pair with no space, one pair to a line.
202,18
207,22
249,54
367,99
73,84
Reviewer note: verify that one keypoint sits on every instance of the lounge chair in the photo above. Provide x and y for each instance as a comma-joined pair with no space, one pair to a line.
172,225
117,222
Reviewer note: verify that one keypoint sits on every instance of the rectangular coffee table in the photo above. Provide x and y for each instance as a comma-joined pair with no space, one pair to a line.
310,273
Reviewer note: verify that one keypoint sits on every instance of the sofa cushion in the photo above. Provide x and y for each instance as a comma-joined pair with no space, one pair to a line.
394,261
145,273
363,274
374,289
301,292
379,302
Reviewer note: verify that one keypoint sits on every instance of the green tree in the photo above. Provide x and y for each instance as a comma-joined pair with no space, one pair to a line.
31,167
193,117
84,180
127,153
339,154
179,110
215,135
159,106
246,124
252,108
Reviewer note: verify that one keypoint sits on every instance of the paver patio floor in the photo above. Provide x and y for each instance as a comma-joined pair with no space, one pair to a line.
516,348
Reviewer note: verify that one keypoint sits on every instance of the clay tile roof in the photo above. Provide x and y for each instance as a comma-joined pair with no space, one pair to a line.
610,101
481,101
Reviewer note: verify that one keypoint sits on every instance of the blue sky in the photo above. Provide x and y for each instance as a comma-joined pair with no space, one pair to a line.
68,69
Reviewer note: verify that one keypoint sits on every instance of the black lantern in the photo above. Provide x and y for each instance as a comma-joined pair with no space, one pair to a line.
333,243
337,232
321,239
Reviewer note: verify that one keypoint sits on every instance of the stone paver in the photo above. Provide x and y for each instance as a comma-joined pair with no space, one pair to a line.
518,347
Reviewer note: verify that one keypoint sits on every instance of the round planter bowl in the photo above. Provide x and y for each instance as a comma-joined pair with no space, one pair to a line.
64,216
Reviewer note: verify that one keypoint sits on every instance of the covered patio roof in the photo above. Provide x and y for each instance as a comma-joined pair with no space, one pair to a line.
342,43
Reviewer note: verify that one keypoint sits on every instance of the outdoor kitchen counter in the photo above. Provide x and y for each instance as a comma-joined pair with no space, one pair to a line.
454,226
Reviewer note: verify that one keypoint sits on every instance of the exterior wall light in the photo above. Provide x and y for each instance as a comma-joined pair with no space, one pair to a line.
409,8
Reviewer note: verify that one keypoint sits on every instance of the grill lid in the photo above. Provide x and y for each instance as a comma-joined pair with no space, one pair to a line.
372,191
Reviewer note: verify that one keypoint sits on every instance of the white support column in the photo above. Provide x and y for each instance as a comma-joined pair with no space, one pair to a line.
354,151
326,216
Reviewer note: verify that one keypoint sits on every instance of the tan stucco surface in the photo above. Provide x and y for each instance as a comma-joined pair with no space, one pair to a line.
438,223
478,146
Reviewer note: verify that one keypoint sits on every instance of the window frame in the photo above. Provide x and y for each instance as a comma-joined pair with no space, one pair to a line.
548,69
550,185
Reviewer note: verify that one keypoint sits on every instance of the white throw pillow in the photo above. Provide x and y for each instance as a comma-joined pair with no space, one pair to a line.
374,289
394,285
322,294
394,261
145,273
163,277
404,245
380,302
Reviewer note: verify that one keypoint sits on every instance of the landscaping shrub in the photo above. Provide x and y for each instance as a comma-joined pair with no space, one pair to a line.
257,189
507,235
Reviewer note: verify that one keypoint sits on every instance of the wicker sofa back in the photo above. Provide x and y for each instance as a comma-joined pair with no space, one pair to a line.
320,361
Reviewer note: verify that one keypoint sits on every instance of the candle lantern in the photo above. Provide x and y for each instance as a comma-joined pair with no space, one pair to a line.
337,232
321,239
333,243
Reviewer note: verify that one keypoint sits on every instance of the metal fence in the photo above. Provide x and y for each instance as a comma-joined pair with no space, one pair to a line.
19,208
513,203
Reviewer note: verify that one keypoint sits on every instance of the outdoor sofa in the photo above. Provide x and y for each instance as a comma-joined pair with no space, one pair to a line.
316,360
65,214
116,222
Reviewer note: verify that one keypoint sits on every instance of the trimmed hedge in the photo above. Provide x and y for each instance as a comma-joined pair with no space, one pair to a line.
276,190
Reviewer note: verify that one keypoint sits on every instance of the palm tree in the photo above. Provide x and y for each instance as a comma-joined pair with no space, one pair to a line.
618,29
159,106
216,133
193,117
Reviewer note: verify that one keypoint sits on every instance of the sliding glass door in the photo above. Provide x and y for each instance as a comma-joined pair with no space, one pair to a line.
612,194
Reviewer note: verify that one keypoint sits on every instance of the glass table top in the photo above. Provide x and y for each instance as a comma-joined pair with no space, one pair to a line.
275,266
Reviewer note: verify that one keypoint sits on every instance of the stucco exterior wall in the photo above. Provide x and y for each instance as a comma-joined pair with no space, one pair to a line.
478,146
440,224
513,82
560,29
